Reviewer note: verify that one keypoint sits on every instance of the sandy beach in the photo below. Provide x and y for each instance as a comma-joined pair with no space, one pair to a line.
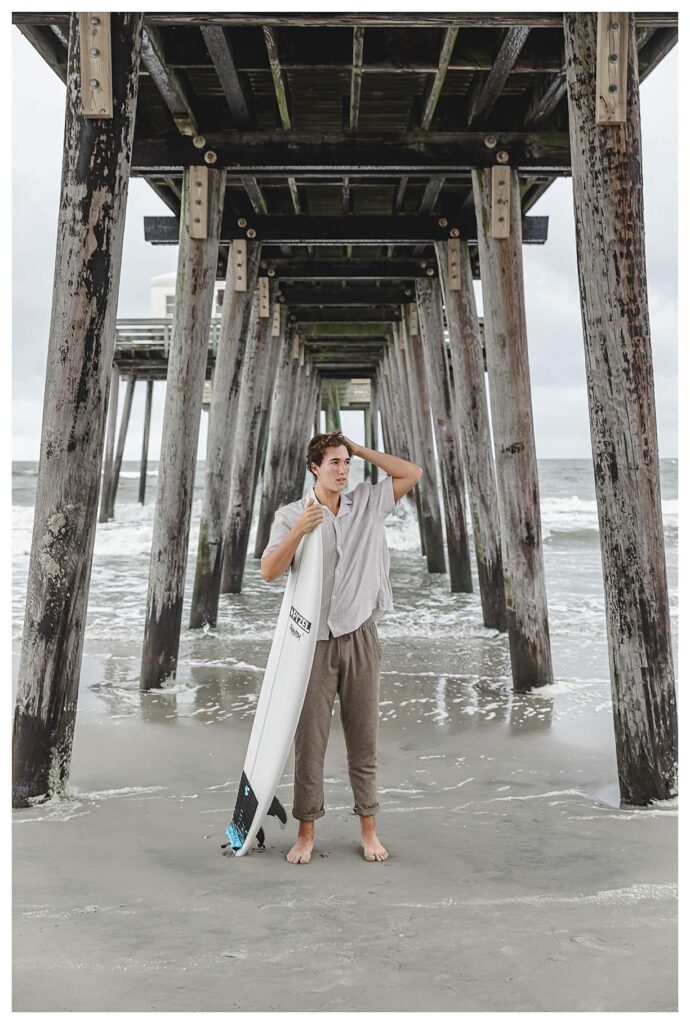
513,884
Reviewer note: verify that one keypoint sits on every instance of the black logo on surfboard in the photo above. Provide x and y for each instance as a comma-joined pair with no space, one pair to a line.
303,623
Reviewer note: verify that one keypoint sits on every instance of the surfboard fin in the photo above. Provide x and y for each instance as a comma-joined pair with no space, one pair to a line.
278,811
261,839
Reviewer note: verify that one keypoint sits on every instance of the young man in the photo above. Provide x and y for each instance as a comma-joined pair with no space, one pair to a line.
356,590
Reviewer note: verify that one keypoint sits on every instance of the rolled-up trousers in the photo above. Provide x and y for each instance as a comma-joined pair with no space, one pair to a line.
349,666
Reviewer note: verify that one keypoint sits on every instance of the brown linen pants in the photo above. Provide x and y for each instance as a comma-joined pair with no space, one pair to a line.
348,665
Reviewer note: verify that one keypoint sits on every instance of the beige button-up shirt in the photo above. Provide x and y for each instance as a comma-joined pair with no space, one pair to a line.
356,561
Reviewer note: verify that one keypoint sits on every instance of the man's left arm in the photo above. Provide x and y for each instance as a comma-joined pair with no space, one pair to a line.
403,473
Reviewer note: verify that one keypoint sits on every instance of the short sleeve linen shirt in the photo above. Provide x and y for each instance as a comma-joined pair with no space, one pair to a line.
356,562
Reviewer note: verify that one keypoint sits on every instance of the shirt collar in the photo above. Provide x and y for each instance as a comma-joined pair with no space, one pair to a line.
345,502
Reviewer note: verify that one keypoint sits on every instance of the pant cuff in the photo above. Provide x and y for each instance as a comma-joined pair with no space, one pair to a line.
365,811
308,817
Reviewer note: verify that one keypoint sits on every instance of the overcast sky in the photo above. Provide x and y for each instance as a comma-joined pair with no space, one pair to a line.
553,311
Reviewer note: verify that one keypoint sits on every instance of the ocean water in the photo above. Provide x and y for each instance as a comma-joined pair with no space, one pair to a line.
443,666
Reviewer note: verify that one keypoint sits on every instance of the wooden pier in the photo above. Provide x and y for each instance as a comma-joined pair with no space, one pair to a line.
349,177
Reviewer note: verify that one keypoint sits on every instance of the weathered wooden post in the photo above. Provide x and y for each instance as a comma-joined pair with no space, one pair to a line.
609,220
109,445
428,485
277,345
238,515
121,439
332,408
286,467
401,398
235,338
196,274
299,434
374,405
368,443
430,312
505,333
455,274
277,443
145,442
95,174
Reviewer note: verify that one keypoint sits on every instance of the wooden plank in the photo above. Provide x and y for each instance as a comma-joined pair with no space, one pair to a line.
95,60
609,222
93,196
264,305
483,100
279,82
612,67
197,261
356,80
197,211
236,93
517,478
237,330
464,343
453,272
500,201
174,90
237,266
434,92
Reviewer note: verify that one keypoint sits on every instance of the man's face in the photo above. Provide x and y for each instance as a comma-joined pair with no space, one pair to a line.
334,469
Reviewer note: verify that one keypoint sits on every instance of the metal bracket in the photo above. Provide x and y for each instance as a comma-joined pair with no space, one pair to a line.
263,297
96,64
612,67
197,222
275,328
239,265
500,201
412,321
295,347
454,264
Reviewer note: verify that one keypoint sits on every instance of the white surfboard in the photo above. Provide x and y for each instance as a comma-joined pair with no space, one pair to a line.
282,695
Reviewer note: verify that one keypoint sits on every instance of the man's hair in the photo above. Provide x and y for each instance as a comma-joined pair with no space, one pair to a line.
318,445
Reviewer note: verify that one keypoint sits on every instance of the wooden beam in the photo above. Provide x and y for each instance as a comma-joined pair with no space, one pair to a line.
121,439
341,230
369,19
609,223
451,34
345,314
279,82
484,99
47,45
174,90
236,93
145,442
297,295
334,155
356,80
350,270
109,456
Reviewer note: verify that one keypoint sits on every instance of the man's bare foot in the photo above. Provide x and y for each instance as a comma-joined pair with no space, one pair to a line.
301,851
371,845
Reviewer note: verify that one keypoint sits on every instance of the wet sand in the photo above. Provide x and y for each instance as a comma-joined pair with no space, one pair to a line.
514,881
